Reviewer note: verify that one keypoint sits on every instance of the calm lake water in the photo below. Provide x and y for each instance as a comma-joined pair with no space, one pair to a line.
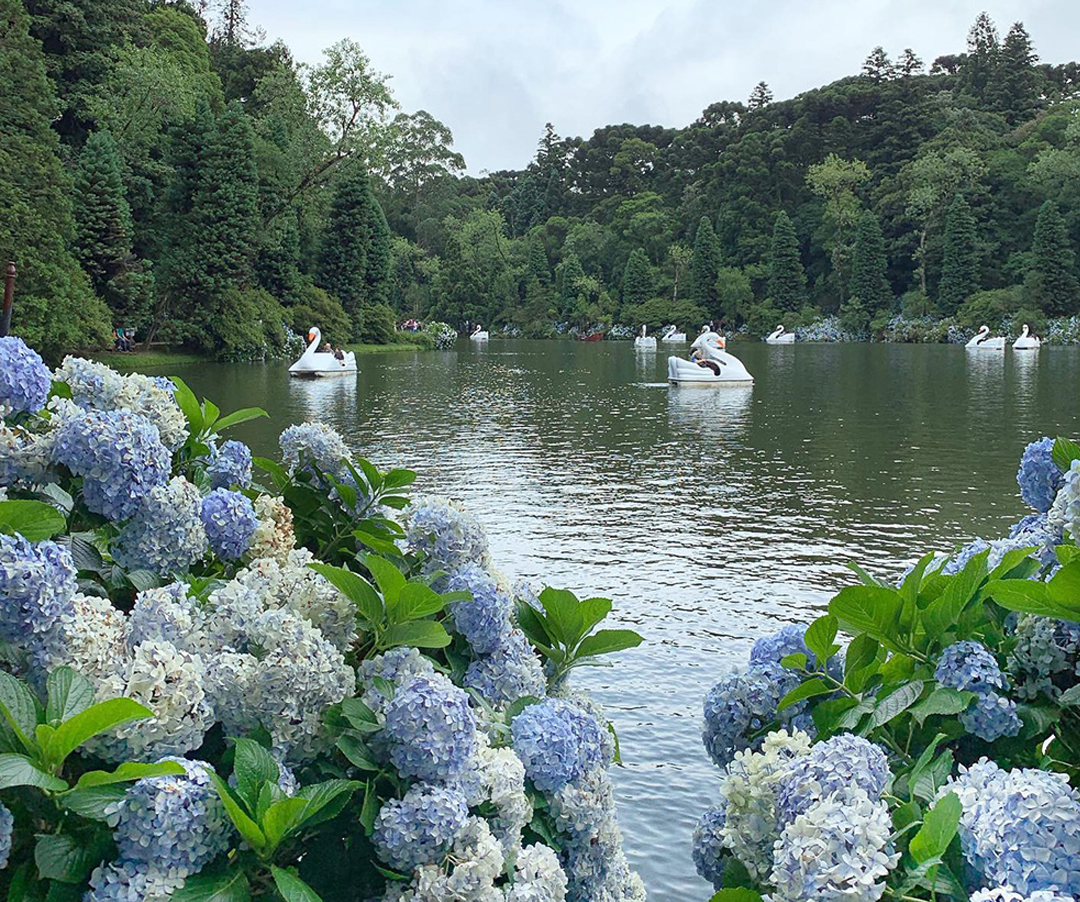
710,516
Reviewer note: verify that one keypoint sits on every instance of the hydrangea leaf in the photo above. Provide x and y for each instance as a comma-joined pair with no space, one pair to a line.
95,802
292,888
230,886
869,609
33,520
18,770
280,819
251,831
67,858
418,634
387,577
736,895
20,708
69,692
89,723
1064,453
239,416
253,767
607,642
325,800
938,829
896,703
564,618
189,404
356,589
944,700
126,773
413,602
820,638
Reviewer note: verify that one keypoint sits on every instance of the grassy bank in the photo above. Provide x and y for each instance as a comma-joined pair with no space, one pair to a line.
359,349
145,360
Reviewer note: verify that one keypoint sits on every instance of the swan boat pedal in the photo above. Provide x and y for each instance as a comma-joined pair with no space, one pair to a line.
712,366
645,342
673,334
479,334
780,336
316,363
982,341
1027,341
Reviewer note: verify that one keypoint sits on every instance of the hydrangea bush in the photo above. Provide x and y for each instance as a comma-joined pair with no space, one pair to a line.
223,677
932,753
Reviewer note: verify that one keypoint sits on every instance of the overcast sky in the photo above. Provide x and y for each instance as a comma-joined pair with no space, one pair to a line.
496,70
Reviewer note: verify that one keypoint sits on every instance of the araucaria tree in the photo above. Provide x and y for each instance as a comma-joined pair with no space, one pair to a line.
868,268
705,266
787,280
1051,281
960,263
637,282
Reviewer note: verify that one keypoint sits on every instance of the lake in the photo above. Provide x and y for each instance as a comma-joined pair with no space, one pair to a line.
710,516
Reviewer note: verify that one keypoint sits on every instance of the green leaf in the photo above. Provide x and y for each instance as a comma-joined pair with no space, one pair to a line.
325,800
418,634
69,693
33,520
1064,587
736,895
868,609
84,554
253,766
1070,697
564,617
387,577
865,578
356,589
942,613
809,689
593,610
239,416
126,773
1064,453
930,780
251,831
20,708
277,472
18,770
95,803
67,859
189,404
89,723
607,642
211,412
924,760
281,818
1029,596
827,714
414,602
820,638
861,653
358,754
938,829
369,810
143,579
230,886
797,661
896,703
360,715
292,888
944,701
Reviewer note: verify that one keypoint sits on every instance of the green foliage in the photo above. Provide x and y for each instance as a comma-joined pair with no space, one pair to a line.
787,281
705,268
990,308
637,280
869,267
1051,282
658,312
734,294
960,266
315,307
379,325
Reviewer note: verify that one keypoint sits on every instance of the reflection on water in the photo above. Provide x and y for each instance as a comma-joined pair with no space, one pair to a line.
711,516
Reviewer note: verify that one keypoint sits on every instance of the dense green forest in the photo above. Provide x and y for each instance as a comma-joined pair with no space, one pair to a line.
164,170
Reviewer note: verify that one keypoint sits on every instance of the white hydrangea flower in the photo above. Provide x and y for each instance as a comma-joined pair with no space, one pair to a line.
496,776
474,864
92,642
274,536
749,792
538,876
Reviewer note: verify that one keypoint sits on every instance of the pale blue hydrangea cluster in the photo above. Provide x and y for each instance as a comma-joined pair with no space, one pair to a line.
24,378
557,743
970,667
1065,513
1039,477
1020,828
1045,658
1008,894
96,386
710,856
418,829
130,881
25,457
510,672
398,666
166,533
431,729
37,585
841,761
167,613
119,456
446,535
311,447
230,466
744,703
7,824
230,522
1036,531
484,620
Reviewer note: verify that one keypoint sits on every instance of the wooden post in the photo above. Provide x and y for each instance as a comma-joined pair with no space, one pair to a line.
9,297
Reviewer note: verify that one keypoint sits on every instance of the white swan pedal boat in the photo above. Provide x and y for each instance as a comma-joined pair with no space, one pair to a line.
645,342
982,341
315,363
479,334
780,336
1027,341
712,366
674,335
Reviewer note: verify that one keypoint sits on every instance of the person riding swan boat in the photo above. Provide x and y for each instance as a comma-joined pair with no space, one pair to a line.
479,334
709,364
314,362
645,342
983,342
781,336
1027,342
673,334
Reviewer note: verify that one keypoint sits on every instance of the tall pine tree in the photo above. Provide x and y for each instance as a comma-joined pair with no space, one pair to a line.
960,264
705,267
869,266
787,280
1051,281
568,274
1016,80
637,280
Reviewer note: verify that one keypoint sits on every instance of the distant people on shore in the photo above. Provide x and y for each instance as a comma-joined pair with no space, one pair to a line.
123,340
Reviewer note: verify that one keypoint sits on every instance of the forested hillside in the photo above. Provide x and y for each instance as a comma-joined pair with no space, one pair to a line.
163,169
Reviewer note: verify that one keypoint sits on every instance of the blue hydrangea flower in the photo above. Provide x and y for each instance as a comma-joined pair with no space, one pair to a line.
37,585
1008,894
1044,659
1039,477
231,466
7,825
743,703
991,716
119,455
1019,828
166,613
24,379
398,666
431,729
511,672
448,537
969,666
308,447
485,620
131,881
1035,530
557,742
1065,512
166,533
710,858
230,522
961,559
25,457
790,640
176,823
845,760
419,828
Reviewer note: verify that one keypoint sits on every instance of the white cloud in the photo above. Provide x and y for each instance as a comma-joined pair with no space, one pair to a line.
496,70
